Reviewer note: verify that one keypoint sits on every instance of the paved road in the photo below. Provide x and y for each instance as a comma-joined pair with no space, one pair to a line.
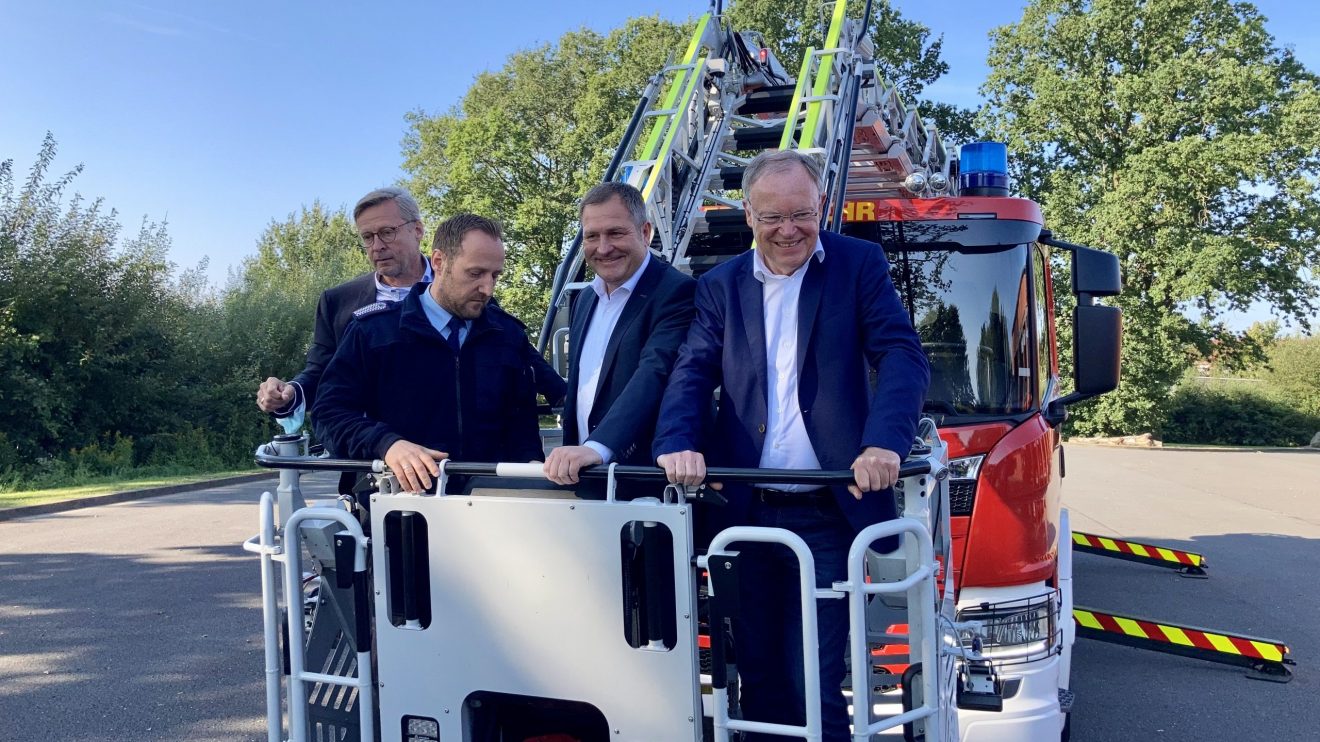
135,621
140,621
1256,518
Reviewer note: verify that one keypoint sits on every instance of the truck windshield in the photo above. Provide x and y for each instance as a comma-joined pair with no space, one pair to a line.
972,310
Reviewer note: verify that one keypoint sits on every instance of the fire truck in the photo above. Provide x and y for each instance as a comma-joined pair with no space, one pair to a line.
513,610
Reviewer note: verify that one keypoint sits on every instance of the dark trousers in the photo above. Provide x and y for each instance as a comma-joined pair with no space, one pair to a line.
769,635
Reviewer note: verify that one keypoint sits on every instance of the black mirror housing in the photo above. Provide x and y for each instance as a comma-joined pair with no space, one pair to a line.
1095,272
1097,345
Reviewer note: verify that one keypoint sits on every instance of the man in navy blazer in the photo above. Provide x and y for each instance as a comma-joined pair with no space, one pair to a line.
790,332
625,332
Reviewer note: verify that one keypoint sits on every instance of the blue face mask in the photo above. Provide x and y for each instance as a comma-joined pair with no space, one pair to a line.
294,422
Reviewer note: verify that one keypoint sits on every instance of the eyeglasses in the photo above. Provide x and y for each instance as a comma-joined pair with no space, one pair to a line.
797,217
386,234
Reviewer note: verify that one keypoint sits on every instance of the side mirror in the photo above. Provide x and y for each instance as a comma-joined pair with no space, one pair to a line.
1097,343
1095,272
1097,330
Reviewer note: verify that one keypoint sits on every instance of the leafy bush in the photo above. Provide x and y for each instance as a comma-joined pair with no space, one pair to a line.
116,457
1236,416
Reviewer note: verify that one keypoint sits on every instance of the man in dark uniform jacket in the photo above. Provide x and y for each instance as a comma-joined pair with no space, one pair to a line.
389,223
442,373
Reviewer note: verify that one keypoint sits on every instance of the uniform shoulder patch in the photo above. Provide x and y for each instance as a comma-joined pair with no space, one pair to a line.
371,309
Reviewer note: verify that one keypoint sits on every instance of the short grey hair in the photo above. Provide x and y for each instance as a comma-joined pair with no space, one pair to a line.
610,190
778,161
401,197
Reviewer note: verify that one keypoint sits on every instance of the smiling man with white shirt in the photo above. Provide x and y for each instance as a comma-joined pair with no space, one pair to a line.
790,333
623,339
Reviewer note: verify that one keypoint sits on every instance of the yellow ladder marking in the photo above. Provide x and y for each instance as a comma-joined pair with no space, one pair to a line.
1268,651
1088,620
1176,635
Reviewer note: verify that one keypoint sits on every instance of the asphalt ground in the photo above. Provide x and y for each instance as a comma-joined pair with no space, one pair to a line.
141,620
1256,519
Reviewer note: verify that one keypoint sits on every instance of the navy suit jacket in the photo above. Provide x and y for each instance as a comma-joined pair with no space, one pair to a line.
850,323
638,358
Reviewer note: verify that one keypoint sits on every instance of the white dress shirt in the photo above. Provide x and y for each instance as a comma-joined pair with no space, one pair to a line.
386,292
604,318
787,445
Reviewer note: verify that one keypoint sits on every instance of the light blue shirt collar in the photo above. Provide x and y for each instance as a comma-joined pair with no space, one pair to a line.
439,317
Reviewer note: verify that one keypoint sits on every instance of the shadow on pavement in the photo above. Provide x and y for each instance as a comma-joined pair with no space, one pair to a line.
104,647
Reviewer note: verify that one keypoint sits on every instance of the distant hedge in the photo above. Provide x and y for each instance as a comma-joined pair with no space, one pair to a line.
1237,415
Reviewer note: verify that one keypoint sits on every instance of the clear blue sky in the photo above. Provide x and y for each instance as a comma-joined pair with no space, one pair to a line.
219,116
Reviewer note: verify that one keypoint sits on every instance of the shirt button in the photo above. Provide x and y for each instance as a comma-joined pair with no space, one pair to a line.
761,428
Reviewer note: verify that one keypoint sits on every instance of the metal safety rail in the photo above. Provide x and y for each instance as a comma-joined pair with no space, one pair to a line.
921,479
283,545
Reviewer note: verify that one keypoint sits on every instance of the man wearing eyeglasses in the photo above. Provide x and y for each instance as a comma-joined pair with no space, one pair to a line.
390,225
792,332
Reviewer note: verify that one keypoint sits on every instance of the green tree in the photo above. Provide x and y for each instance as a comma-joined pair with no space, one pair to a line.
1177,135
86,324
1293,372
904,50
530,138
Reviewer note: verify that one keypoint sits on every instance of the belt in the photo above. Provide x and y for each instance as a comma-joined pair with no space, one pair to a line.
780,498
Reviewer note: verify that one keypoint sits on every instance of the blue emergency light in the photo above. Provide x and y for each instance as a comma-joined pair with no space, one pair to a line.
983,169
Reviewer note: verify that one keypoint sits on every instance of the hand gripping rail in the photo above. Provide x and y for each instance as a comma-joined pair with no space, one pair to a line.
289,551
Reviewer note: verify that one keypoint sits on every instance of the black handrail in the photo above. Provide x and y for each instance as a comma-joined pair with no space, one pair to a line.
912,467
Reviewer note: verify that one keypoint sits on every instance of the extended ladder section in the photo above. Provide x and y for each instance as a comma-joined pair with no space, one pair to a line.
686,144
700,121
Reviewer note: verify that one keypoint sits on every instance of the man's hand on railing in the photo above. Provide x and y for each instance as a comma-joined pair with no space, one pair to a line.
413,465
874,470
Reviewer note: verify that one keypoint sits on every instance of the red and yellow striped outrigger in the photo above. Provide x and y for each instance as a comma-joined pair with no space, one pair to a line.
1189,563
1266,659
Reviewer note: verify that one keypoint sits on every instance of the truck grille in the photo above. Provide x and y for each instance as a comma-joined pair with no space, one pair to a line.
962,496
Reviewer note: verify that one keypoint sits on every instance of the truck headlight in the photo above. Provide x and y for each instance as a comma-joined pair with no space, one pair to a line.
968,467
1024,629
